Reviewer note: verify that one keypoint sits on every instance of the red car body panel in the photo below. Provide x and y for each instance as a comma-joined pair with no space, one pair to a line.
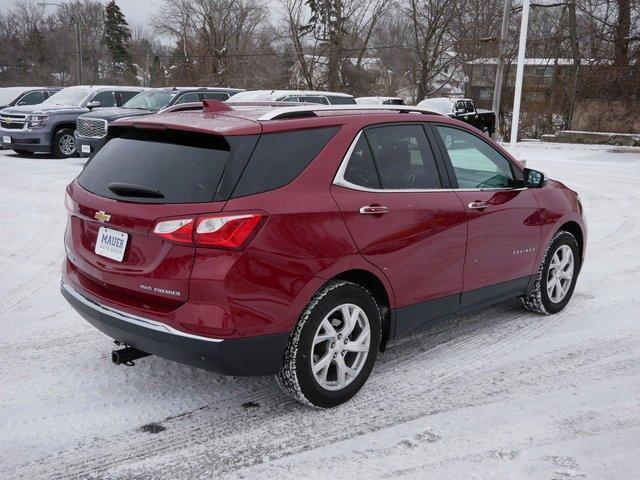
420,247
501,238
430,246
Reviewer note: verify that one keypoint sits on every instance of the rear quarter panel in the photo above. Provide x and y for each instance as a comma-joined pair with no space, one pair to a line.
303,243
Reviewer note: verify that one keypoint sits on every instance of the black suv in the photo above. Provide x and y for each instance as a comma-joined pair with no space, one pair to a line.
92,127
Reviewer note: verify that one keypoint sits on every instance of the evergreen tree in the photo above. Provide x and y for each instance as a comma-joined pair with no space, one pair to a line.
117,39
326,24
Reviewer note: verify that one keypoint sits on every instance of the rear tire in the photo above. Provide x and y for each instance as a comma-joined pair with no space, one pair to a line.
556,277
64,144
24,153
333,347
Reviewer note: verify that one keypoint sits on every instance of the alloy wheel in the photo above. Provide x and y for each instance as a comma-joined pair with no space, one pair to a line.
560,274
67,144
340,346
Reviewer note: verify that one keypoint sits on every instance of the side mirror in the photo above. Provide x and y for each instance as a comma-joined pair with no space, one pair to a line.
94,104
21,103
534,178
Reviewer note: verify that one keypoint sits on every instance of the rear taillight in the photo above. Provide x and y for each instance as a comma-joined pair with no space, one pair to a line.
226,232
180,231
214,231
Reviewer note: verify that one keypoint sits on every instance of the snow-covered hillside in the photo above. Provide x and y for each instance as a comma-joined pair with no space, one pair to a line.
501,394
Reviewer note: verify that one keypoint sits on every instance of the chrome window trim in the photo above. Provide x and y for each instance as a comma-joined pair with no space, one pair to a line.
133,319
340,181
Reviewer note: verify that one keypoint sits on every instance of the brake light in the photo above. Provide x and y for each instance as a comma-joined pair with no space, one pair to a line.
217,231
180,231
232,231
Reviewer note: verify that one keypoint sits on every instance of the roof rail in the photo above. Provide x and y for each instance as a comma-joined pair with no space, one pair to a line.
190,106
309,110
182,107
262,103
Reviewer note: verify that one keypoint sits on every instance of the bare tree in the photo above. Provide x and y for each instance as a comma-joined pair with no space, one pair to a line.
304,49
431,23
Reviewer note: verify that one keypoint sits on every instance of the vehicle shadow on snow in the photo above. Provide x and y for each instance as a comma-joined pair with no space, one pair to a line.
255,394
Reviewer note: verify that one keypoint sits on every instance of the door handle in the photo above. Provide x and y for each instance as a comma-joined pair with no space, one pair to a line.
373,210
477,205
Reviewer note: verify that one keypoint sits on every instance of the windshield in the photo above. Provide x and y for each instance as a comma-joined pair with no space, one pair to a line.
151,100
8,95
71,96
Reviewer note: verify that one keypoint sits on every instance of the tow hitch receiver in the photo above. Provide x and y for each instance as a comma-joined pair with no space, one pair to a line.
126,356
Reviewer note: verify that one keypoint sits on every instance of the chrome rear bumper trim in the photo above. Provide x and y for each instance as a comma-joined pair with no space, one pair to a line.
134,319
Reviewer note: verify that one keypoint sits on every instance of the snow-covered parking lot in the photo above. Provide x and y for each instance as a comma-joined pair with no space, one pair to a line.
501,394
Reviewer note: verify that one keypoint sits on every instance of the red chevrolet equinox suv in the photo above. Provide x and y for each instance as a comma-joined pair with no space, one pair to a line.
255,239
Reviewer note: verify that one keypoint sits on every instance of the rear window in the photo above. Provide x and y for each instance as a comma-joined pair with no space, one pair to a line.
183,168
280,157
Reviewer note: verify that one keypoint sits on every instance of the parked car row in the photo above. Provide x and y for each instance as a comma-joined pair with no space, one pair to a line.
49,127
92,128
75,120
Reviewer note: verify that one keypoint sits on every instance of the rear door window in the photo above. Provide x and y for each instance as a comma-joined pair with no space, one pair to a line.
403,157
222,96
188,98
280,157
182,167
361,170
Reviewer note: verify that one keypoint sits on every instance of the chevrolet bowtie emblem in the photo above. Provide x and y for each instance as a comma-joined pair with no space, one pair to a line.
102,217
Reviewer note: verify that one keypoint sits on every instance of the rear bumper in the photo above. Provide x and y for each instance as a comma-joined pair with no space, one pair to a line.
31,140
92,144
260,355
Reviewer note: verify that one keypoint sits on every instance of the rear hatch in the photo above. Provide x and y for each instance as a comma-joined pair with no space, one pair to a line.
136,180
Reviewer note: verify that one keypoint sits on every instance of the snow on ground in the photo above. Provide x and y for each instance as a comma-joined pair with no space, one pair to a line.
500,394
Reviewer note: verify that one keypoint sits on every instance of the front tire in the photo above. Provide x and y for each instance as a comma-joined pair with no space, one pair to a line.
64,144
333,347
557,276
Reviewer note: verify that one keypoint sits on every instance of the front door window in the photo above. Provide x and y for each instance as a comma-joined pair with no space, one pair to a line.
475,163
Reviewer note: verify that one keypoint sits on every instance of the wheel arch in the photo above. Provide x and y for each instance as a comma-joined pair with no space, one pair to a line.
574,229
60,125
377,288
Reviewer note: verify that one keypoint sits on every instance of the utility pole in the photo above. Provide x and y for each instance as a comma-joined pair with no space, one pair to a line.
497,87
78,49
522,47
76,21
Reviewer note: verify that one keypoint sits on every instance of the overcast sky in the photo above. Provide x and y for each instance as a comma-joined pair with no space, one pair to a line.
136,11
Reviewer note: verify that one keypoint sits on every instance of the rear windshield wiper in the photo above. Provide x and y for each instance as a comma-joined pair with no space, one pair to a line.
130,190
